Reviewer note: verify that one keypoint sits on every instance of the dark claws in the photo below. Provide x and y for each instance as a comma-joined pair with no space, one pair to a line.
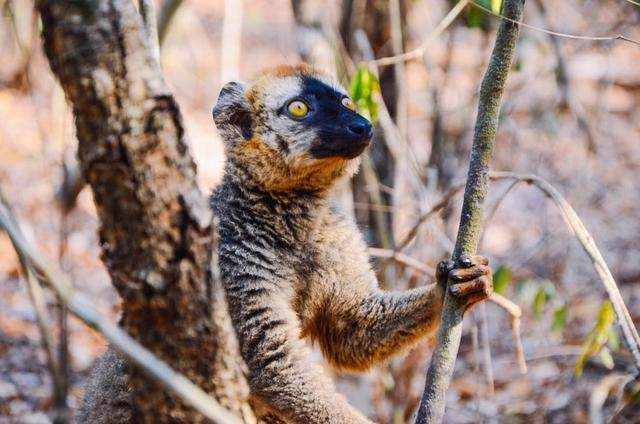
465,261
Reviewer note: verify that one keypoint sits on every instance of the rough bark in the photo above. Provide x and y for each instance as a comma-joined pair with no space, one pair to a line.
156,228
443,360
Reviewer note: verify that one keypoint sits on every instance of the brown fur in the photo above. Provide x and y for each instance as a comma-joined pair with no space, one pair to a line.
294,268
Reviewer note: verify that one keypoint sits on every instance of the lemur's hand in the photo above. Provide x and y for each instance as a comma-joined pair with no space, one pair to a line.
471,279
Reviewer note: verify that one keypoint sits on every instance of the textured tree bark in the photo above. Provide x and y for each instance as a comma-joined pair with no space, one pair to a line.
444,356
156,230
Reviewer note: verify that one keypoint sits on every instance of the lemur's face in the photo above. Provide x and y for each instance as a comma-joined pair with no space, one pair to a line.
294,120
311,115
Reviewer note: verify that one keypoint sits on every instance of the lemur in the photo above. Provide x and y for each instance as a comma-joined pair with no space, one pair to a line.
295,268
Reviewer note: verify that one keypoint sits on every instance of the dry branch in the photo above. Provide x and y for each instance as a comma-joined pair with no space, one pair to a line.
574,222
34,263
441,368
167,12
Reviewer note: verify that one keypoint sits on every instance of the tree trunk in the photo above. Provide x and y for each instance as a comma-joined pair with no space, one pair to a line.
156,230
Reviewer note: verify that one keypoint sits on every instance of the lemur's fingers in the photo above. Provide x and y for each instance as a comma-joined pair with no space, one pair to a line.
480,285
443,269
466,261
460,275
473,299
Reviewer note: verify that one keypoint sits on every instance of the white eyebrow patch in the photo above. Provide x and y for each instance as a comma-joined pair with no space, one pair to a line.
280,90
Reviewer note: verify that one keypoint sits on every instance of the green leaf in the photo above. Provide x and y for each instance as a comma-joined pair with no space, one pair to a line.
364,88
560,317
540,300
606,358
496,6
501,278
602,332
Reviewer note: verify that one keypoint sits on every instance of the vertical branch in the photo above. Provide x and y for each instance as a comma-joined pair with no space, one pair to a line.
167,12
231,40
441,368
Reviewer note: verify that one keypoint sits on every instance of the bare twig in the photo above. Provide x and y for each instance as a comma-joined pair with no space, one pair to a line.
43,319
555,33
395,18
574,222
516,312
440,370
601,392
487,364
425,217
167,12
418,52
569,98
401,258
231,41
136,353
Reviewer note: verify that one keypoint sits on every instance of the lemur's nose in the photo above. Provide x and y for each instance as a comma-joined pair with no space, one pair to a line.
361,129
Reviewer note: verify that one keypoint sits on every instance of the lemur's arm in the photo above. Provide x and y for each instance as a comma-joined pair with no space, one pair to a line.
372,325
281,372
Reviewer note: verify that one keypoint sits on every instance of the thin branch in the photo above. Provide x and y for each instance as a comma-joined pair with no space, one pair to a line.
167,12
555,33
136,353
42,320
231,41
486,348
568,96
574,222
435,33
424,217
432,405
401,258
516,312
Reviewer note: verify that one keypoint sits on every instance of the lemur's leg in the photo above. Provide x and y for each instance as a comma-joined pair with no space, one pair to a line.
382,323
281,372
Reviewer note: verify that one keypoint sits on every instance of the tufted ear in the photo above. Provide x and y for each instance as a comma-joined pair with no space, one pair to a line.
231,113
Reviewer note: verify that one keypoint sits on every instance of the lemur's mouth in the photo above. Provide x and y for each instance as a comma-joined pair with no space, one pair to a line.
348,143
347,150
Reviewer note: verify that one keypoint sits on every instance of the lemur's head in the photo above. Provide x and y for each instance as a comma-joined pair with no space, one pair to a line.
293,127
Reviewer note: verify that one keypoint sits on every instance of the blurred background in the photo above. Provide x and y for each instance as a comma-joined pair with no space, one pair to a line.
571,114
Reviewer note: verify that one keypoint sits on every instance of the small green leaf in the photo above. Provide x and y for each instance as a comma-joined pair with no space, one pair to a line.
606,358
603,332
540,300
501,278
364,88
560,316
496,6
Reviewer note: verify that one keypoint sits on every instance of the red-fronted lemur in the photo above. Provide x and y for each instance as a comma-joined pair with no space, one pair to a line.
295,268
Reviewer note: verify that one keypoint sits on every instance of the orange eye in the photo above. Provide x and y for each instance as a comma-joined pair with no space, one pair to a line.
298,109
348,103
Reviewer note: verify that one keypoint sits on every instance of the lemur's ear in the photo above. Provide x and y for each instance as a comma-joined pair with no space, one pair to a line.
231,113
